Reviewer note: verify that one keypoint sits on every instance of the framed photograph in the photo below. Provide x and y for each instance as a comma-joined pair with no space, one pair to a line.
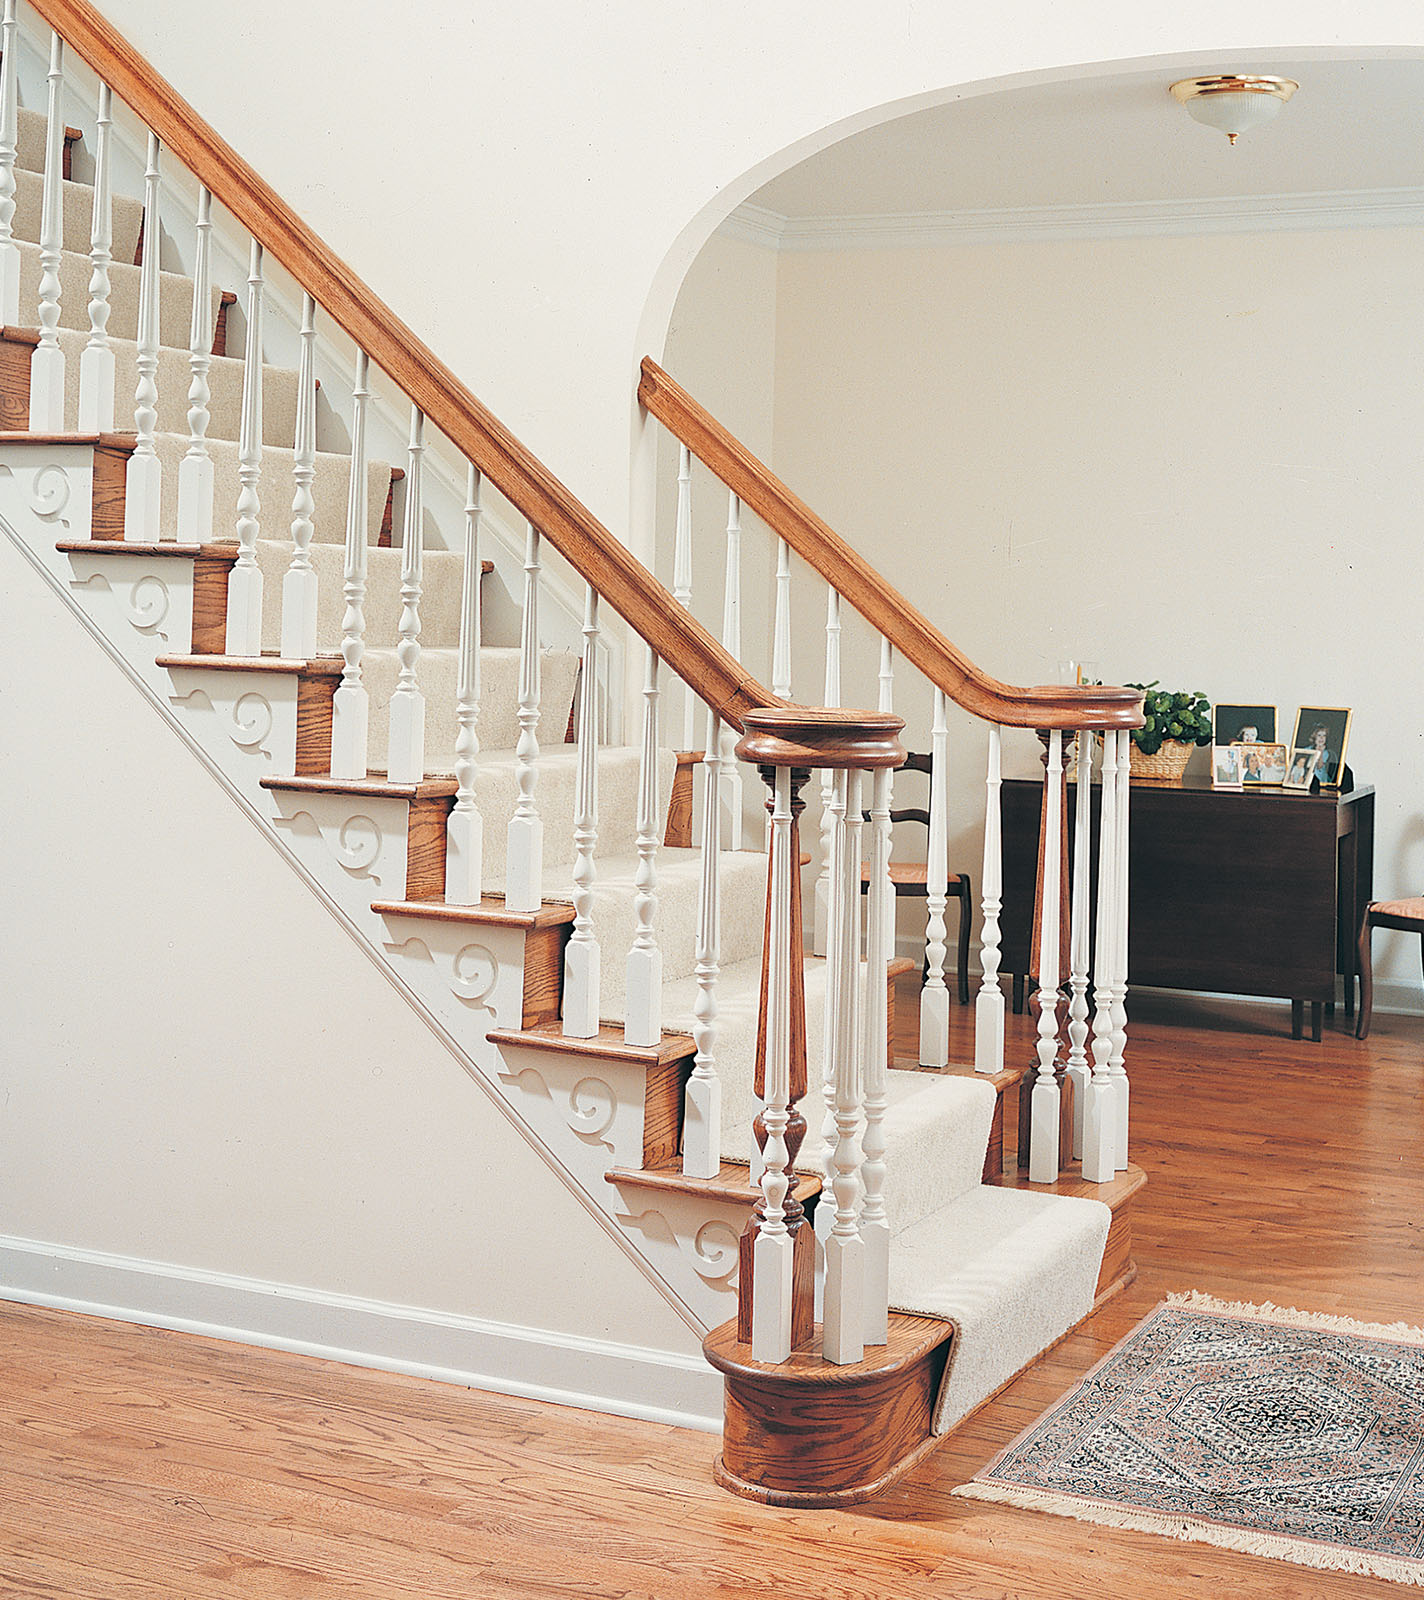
1226,766
1243,724
1263,766
1302,769
1324,729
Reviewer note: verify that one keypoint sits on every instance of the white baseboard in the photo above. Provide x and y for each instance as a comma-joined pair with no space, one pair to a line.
568,1369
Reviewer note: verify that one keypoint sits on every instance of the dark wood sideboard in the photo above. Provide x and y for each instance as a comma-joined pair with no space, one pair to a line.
1256,892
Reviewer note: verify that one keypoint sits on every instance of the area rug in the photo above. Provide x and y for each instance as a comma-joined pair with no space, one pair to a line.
1255,1428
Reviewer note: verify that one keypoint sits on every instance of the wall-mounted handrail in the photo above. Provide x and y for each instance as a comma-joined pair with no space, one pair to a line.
599,558
882,606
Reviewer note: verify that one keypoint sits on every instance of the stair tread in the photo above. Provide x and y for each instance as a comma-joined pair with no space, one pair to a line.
607,1044
131,547
375,785
491,911
732,1183
315,666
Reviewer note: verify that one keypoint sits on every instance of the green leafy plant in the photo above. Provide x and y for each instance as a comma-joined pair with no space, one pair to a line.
1171,714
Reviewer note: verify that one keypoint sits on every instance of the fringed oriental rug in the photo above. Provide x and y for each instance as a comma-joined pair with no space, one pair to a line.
1254,1428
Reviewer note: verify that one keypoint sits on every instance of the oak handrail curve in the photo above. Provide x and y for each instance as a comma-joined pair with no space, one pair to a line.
882,606
600,559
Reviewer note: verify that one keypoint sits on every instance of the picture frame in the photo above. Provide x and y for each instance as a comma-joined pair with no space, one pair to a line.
1325,729
1226,766
1263,766
1301,772
1231,724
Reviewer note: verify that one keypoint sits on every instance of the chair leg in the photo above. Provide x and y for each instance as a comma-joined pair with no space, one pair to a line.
1367,981
966,914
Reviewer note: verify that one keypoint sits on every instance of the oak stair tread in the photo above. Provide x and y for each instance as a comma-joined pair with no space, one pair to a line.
375,785
490,912
910,1338
221,551
732,1183
310,666
608,1044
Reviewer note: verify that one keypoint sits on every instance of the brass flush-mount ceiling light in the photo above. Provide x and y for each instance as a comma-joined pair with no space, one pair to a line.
1233,105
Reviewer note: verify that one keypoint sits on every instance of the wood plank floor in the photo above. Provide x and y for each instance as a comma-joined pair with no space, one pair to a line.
144,1463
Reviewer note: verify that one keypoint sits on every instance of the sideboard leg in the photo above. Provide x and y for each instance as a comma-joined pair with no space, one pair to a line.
1315,1010
1297,1019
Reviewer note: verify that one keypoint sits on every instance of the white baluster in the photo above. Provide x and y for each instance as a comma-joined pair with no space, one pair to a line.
47,361
882,883
989,1003
702,1115
523,890
143,483
96,363
838,1043
772,1249
831,696
643,1008
464,832
299,588
1100,1112
781,632
195,470
844,1295
9,123
244,584
934,996
351,709
1043,1138
405,757
875,1045
1078,1071
682,577
730,777
582,958
1119,995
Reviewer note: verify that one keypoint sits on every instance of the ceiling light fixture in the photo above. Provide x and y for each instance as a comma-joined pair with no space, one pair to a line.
1232,104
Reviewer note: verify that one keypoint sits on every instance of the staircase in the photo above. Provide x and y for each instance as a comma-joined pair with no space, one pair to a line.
577,913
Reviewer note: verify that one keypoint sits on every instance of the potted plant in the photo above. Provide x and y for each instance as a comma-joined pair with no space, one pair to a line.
1174,722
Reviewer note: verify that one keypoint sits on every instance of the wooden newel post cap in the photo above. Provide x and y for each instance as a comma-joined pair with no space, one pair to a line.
810,736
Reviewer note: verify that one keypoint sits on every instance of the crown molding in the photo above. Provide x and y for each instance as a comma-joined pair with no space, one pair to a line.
1343,208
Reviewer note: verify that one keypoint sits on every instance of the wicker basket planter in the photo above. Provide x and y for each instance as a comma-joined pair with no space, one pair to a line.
1168,766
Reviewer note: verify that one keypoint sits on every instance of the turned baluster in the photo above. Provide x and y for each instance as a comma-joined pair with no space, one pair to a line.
875,1049
524,852
582,958
244,584
831,696
1078,1070
195,470
1100,1112
844,1299
730,776
643,1009
702,1101
406,746
934,995
96,363
682,578
351,709
781,631
299,585
1119,990
47,360
989,1003
9,138
143,484
464,832
1043,1159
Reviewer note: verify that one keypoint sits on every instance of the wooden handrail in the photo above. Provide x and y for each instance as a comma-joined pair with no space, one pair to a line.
576,533
883,607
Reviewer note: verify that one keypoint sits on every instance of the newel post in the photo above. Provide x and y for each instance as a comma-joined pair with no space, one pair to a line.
776,1282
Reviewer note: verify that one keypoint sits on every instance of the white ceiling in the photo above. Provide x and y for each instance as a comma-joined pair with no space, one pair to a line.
1353,126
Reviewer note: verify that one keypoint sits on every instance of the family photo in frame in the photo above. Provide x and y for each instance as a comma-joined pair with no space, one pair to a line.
1323,730
1243,725
1249,753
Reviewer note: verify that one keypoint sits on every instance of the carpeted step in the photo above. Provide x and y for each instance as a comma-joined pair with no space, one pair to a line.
937,1128
30,127
279,391
439,607
329,488
78,199
437,672
1013,1269
175,298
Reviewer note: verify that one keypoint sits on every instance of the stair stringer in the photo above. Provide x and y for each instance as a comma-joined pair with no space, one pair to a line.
350,851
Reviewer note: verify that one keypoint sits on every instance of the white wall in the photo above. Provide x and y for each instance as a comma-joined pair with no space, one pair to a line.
527,185
203,1076
1193,459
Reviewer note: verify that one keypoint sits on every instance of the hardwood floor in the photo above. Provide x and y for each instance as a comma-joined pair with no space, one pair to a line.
144,1463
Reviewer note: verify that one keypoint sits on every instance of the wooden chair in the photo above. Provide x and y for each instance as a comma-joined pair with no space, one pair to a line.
908,877
1407,915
